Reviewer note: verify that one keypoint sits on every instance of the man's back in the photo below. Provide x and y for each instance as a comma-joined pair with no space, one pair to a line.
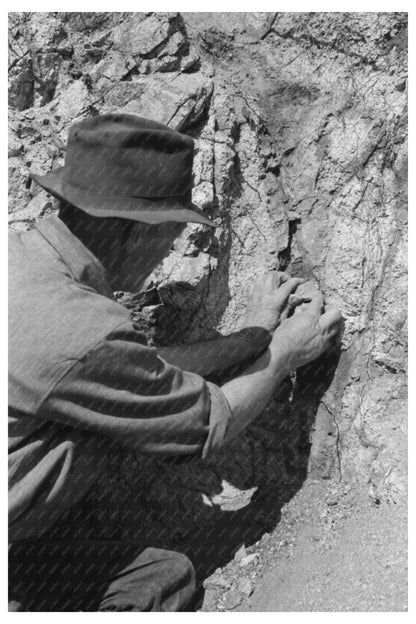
59,308
55,317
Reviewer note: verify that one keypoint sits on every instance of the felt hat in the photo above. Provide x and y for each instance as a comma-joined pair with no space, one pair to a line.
120,165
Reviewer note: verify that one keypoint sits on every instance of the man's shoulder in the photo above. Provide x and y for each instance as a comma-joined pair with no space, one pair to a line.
53,323
57,290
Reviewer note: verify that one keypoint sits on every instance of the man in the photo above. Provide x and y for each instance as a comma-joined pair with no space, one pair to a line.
82,376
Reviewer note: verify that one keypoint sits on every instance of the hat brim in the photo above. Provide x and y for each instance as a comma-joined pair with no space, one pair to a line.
123,207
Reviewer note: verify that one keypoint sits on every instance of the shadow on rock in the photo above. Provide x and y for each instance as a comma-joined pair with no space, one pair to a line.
207,510
277,466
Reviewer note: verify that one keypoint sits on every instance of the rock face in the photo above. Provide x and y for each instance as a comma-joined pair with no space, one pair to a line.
300,125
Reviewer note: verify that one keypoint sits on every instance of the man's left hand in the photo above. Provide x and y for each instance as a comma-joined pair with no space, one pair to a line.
271,299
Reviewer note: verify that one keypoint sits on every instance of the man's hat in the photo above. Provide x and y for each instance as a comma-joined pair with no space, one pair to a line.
124,166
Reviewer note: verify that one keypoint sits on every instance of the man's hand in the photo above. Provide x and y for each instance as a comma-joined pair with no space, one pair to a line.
307,334
271,300
298,340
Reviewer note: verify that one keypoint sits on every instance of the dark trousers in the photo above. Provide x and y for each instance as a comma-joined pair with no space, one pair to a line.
97,576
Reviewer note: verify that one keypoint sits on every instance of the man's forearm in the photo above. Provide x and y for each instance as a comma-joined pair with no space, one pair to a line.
216,355
249,393
299,340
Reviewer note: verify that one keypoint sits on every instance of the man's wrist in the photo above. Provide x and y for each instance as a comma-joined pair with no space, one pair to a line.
281,357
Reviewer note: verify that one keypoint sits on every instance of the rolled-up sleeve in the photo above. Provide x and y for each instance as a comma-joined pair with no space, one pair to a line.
123,390
220,417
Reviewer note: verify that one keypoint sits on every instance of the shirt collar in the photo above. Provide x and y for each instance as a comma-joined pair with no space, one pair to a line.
83,265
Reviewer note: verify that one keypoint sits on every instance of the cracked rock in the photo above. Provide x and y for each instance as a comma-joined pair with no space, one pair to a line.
232,599
245,586
252,558
301,161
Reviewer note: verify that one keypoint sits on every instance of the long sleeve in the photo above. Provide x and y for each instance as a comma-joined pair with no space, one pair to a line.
122,390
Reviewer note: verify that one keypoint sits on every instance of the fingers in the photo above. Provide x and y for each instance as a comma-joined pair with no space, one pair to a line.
316,305
276,283
288,287
331,319
292,303
331,316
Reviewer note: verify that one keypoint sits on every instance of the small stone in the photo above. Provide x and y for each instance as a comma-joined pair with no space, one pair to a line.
150,309
216,580
249,559
232,599
187,62
332,501
246,587
15,146
240,554
52,150
73,100
59,143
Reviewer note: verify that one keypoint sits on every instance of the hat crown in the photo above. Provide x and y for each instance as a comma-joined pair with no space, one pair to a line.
128,167
121,154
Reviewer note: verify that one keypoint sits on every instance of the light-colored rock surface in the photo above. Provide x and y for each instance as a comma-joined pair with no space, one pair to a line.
347,557
300,125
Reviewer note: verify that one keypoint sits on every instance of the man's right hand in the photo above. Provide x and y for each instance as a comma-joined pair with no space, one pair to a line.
303,337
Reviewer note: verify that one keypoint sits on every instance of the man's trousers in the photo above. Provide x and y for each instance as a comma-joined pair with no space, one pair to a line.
97,576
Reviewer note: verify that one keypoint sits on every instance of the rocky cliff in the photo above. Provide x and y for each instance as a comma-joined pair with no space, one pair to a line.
300,126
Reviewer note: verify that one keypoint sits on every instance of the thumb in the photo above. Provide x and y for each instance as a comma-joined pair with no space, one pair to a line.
316,304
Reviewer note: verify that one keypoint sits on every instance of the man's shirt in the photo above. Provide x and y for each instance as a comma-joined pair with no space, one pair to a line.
81,377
